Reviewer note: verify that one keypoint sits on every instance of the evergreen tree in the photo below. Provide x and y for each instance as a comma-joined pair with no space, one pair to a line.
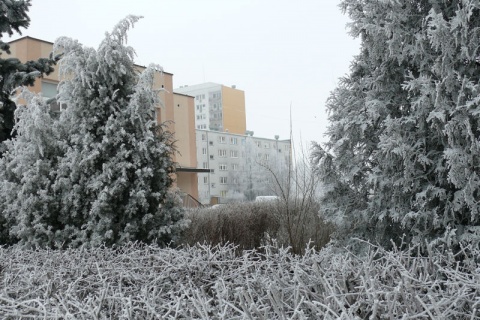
403,150
29,210
109,172
13,73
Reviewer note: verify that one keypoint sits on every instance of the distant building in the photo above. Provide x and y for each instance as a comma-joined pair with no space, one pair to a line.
240,165
217,107
178,109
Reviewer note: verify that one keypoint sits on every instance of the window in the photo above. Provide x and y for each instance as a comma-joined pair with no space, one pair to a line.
235,167
235,180
223,180
222,167
205,165
267,145
213,185
211,157
266,157
204,137
233,153
204,150
204,116
223,193
258,143
222,139
211,143
49,90
222,153
233,140
205,180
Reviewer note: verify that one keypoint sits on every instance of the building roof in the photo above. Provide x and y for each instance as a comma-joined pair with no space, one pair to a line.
51,43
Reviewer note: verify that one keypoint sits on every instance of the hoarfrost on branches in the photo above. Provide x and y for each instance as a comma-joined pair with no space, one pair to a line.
110,180
402,156
203,282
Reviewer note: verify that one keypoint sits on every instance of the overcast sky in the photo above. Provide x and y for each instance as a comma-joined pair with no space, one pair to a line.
281,53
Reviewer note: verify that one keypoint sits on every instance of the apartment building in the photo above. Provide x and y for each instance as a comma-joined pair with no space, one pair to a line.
241,165
178,109
217,107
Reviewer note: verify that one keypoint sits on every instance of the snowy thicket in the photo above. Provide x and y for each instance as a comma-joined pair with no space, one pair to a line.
140,282
101,173
13,72
403,149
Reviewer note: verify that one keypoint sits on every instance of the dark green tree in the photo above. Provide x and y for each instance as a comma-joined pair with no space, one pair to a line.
13,72
402,158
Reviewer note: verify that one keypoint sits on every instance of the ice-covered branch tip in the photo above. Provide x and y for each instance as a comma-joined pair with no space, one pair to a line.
119,32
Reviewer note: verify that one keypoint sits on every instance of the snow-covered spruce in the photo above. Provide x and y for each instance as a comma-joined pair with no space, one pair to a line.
201,282
108,180
404,140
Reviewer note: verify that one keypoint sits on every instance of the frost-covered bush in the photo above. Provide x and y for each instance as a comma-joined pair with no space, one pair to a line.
250,225
403,149
101,174
242,224
204,282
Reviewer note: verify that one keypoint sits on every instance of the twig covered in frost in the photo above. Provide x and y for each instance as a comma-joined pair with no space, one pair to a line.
204,282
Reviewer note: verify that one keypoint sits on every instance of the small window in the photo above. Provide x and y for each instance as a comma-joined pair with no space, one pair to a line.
222,167
223,180
205,180
222,139
211,143
233,140
223,193
222,153
211,157
204,150
233,153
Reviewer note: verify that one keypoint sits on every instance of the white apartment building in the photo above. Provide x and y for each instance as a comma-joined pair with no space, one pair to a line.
240,165
217,107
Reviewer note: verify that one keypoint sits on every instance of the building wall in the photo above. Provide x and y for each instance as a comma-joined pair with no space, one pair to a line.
234,161
217,107
233,105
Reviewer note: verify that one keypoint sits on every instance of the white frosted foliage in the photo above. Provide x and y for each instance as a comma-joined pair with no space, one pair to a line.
402,156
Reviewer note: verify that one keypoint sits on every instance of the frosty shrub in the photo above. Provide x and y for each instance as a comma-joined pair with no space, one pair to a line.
403,149
106,177
205,282
242,224
250,225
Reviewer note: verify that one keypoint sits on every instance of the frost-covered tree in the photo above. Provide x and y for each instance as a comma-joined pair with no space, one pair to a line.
109,178
403,149
28,209
14,73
